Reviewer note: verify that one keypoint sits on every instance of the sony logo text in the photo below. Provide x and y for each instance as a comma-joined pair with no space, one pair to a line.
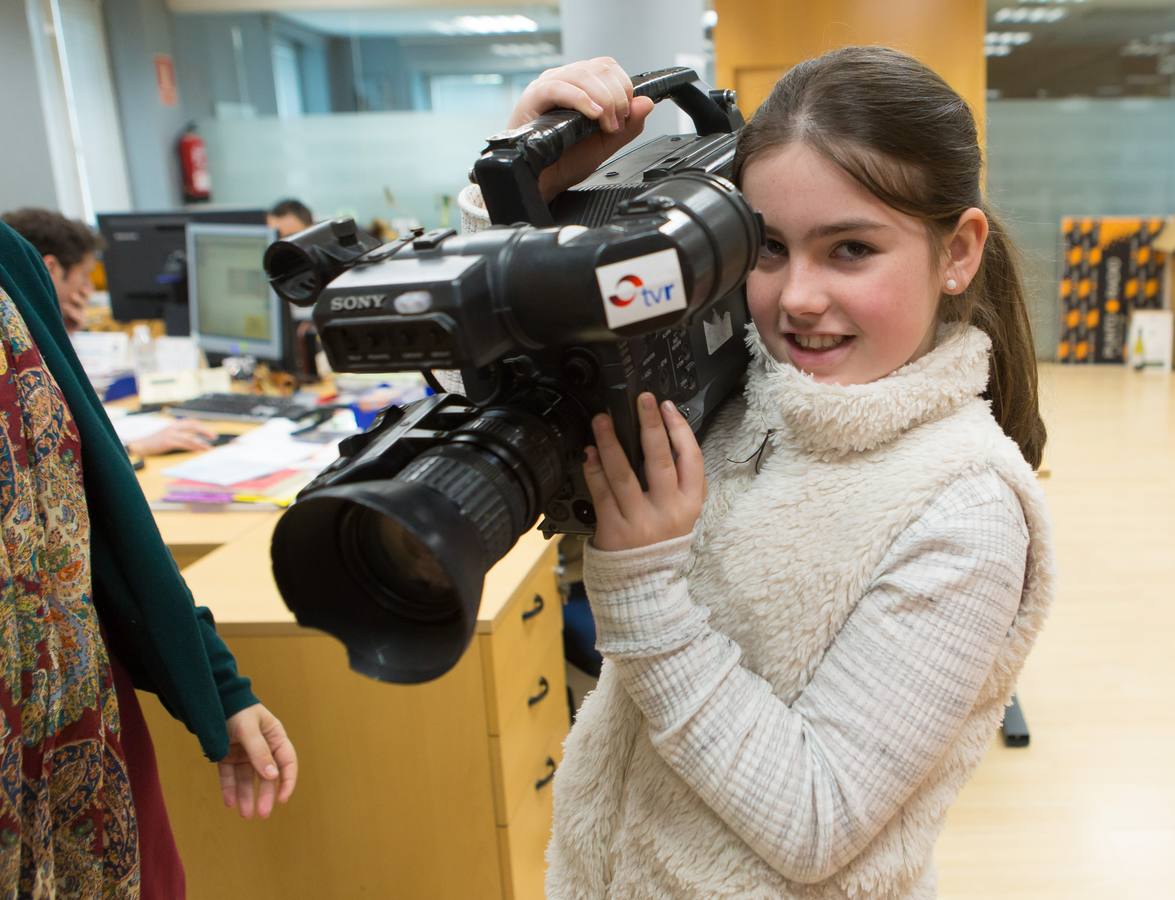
356,301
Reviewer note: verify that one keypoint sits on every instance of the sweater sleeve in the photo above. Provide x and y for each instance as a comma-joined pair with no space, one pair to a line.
808,785
234,689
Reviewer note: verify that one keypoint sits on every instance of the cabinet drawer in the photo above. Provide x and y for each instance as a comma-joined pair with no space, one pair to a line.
522,844
531,733
526,627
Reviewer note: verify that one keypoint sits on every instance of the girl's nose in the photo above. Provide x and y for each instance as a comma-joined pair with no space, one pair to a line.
801,294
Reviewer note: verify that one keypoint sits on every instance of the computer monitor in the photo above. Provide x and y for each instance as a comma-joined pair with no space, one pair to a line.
232,308
146,261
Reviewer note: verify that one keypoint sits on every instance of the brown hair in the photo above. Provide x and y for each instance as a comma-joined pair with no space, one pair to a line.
52,234
905,135
295,208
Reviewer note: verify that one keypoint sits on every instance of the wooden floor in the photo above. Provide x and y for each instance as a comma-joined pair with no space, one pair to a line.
1088,810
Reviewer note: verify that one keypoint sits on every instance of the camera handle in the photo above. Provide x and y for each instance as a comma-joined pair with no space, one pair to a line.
509,168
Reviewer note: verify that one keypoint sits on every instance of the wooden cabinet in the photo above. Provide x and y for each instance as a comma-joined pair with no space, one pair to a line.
432,791
527,719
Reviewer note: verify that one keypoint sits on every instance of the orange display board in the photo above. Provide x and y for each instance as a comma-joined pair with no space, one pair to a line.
1111,269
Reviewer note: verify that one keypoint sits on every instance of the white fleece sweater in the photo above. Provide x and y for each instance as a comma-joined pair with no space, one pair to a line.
793,695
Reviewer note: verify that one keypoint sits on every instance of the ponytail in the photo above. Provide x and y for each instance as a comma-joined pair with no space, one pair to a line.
997,307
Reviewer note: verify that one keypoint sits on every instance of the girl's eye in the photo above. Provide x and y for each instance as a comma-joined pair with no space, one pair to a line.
852,251
773,249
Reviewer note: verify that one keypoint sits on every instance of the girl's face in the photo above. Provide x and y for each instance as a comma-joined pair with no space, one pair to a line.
846,288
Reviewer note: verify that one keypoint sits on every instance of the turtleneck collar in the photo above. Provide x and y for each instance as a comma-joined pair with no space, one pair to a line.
831,419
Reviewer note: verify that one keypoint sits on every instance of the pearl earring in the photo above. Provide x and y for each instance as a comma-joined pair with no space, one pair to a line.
952,284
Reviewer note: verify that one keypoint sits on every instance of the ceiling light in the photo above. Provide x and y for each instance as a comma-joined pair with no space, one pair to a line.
1141,48
1030,15
547,61
1006,38
997,50
527,48
497,24
486,25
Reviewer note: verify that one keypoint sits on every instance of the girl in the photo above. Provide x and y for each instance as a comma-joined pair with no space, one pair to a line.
802,671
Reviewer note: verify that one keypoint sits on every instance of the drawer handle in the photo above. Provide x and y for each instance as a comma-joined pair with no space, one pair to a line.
544,689
535,609
546,779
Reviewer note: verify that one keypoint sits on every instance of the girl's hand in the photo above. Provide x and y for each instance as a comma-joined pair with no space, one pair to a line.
258,748
600,90
626,516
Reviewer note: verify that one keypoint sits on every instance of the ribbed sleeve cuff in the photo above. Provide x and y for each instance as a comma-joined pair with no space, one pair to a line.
639,598
474,216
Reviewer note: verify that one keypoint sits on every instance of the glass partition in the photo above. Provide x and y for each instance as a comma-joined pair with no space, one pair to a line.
402,167
372,113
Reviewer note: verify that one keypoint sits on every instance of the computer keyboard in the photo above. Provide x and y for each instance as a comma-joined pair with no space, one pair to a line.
243,407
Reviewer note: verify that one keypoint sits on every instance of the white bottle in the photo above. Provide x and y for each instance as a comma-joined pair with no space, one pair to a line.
143,350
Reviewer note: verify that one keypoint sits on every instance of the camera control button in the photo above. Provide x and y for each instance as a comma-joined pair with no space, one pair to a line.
411,303
432,239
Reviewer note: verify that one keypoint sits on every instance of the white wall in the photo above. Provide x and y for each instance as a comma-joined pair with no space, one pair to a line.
26,170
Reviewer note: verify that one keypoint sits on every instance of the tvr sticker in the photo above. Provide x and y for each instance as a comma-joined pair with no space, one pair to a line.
640,288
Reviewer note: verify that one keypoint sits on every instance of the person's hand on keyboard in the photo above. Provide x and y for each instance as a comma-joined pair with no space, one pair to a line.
182,434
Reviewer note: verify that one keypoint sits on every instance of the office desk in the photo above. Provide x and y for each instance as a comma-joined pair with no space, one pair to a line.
190,534
434,791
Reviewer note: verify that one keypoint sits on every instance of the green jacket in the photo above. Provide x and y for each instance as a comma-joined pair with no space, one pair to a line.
168,644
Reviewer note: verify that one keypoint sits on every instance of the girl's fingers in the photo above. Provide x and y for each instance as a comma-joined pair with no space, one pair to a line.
622,481
552,93
691,473
660,472
597,483
620,88
625,81
599,88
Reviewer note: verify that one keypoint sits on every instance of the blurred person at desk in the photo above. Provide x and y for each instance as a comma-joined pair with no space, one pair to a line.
69,249
89,614
289,216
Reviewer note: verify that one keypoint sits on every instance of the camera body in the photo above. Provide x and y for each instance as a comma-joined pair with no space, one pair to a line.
579,331
629,282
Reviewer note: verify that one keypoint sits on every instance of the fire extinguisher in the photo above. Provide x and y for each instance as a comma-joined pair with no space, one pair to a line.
194,166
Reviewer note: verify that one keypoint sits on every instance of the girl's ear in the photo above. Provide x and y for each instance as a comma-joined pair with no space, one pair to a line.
53,265
965,249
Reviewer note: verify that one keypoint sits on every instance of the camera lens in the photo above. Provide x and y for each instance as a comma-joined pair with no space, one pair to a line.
394,568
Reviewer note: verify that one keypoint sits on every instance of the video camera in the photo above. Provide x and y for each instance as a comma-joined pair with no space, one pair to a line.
630,281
